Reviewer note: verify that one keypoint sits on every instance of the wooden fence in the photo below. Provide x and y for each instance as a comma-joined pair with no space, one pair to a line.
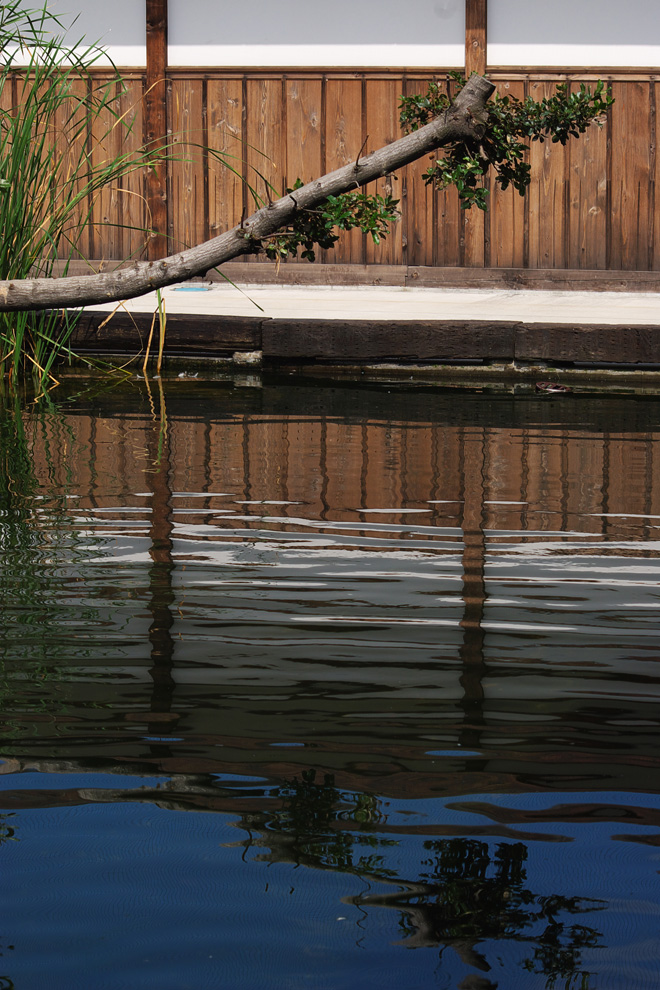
590,207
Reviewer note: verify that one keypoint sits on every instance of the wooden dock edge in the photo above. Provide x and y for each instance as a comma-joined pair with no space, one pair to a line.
365,342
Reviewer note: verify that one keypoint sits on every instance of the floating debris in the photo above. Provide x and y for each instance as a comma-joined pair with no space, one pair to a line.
552,387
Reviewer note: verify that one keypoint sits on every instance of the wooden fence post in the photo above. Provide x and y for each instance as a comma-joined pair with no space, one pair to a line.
473,221
155,124
475,37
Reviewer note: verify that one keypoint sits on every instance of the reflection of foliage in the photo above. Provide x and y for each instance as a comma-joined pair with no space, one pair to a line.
318,825
7,832
32,511
466,897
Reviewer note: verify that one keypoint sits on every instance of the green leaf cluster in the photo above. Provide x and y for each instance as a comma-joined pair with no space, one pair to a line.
508,126
318,228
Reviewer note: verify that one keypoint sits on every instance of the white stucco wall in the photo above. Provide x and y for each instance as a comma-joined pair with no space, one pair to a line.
372,32
574,32
306,32
118,25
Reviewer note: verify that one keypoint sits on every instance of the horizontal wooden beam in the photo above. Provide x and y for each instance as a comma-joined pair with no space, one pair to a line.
360,342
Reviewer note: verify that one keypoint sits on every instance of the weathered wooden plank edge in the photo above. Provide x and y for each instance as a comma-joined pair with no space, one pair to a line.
368,340
411,276
377,340
621,344
188,334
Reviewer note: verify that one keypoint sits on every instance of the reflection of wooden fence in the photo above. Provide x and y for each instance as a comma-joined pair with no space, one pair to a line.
526,478
477,471
591,205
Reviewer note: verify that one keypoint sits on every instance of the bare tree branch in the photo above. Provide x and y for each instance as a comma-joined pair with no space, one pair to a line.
464,120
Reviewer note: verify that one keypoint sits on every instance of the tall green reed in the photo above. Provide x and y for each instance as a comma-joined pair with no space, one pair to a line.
57,119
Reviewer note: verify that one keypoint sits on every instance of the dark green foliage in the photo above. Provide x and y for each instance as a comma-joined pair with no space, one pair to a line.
316,228
508,125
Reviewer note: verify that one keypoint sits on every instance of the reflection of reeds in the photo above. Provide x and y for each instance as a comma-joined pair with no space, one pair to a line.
35,538
159,313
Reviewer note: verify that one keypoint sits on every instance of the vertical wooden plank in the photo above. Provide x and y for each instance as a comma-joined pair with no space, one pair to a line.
187,171
266,128
587,199
631,136
476,47
304,150
382,126
656,181
225,121
107,241
506,210
155,120
70,146
475,37
266,141
132,189
448,245
343,141
653,155
547,195
303,130
417,202
474,247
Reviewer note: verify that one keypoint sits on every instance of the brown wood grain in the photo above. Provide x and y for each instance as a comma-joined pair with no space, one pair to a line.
382,340
187,215
448,240
190,336
656,179
506,210
475,37
343,142
603,343
67,121
304,151
382,125
133,187
105,145
310,121
547,196
418,199
227,154
631,225
588,221
265,135
155,122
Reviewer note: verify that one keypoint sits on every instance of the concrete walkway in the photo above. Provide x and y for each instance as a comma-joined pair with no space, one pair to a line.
405,304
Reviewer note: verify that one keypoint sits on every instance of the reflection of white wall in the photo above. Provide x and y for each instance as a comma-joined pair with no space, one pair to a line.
295,32
574,32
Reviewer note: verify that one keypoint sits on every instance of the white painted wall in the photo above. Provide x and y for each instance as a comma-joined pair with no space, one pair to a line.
574,32
118,25
309,32
372,32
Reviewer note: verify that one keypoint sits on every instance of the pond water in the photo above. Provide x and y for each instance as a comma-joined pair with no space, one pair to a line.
329,686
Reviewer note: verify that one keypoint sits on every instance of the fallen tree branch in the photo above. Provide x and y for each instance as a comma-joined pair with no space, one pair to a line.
463,120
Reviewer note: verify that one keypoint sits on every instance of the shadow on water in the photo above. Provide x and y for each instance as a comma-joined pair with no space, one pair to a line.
391,637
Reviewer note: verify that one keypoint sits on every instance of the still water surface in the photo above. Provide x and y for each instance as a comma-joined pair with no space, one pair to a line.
315,686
